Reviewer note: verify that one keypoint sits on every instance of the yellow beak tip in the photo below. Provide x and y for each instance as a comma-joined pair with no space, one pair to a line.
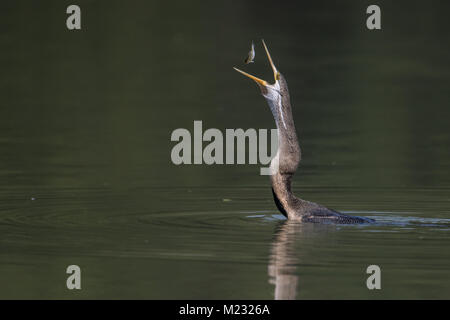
257,80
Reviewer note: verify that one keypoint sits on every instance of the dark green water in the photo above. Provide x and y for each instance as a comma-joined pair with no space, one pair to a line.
85,170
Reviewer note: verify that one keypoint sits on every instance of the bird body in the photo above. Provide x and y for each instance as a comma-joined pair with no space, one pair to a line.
288,157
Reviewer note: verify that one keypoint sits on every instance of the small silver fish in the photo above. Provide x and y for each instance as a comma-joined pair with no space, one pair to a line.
251,55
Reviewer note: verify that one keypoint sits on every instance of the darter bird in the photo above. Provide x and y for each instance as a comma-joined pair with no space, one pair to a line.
287,159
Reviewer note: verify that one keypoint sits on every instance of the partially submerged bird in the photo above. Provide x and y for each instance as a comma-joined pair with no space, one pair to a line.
285,163
251,55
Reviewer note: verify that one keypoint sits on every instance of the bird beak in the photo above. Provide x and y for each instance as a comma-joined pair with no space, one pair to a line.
259,81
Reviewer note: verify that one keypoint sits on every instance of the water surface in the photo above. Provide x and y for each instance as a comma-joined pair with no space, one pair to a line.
86,176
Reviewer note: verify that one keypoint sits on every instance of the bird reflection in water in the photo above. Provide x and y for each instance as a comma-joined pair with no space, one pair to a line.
285,260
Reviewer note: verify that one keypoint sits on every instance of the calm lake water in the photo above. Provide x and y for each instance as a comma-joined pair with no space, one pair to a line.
86,176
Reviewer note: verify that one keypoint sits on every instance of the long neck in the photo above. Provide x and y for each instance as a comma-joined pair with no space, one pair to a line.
288,156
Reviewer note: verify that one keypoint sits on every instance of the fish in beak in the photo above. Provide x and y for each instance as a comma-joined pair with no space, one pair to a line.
251,55
264,85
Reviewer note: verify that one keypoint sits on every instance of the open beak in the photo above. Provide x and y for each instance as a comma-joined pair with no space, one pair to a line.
259,81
